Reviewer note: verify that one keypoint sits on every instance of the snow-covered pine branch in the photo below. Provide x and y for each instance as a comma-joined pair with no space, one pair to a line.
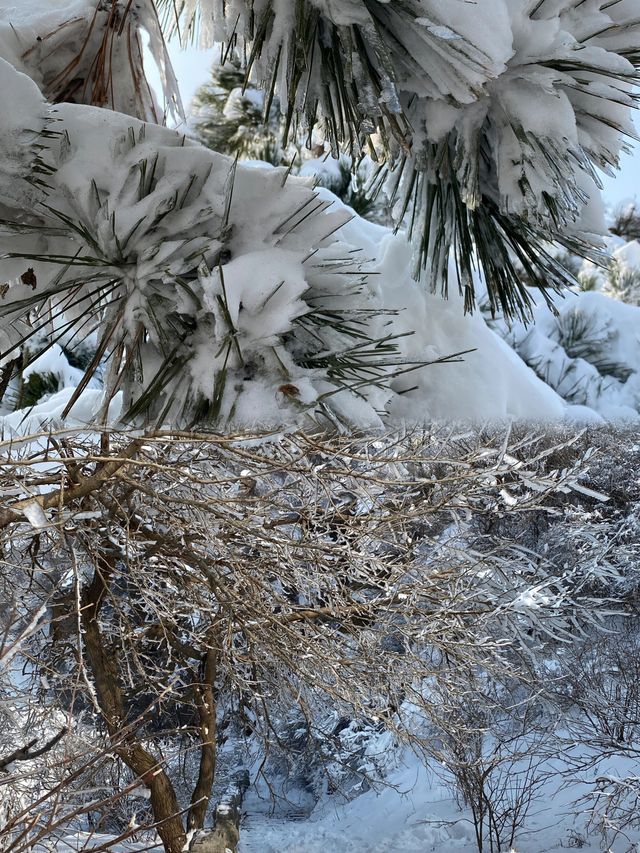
92,262
491,117
201,278
92,52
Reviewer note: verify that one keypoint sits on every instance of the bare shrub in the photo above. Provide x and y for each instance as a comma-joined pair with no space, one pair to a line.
490,742
599,682
626,222
156,579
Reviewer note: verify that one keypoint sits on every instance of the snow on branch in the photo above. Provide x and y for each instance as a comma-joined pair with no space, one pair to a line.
491,117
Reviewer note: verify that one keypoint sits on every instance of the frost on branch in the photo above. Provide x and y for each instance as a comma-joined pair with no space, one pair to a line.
350,578
492,116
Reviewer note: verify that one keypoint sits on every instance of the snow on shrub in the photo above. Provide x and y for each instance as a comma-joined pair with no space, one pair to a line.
588,352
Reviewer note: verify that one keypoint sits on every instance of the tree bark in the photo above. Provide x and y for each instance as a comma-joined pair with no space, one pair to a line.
104,668
85,486
205,698
225,836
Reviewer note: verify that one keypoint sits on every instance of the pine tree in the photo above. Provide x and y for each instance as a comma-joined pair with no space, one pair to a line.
487,121
229,118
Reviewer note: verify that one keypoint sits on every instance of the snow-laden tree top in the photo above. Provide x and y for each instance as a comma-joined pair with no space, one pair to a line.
493,115
212,289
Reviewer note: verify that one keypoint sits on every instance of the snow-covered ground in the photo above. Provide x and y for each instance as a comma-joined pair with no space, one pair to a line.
416,812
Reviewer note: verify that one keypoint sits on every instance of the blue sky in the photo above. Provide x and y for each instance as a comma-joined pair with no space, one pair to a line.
191,67
626,185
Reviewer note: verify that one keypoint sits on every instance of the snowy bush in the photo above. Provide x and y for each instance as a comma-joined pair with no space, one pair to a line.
587,350
620,279
130,233
491,746
160,252
626,222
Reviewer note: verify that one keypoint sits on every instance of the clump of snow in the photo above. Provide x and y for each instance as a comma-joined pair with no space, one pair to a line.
489,381
23,118
48,414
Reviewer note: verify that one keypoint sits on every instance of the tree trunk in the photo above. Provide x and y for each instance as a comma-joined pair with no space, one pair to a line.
104,668
206,703
226,835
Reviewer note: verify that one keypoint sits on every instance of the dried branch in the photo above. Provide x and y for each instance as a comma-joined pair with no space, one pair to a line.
27,753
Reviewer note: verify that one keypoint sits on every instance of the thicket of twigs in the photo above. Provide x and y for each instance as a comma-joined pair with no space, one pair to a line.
157,586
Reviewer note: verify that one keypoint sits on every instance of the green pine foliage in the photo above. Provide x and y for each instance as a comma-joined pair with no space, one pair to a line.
623,282
583,334
35,387
231,117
